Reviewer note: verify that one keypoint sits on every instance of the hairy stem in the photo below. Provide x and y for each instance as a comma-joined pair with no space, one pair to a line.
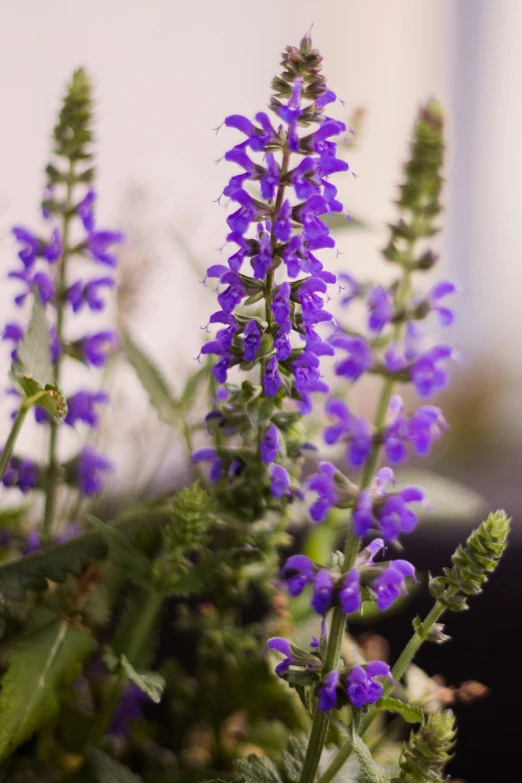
398,670
12,437
52,479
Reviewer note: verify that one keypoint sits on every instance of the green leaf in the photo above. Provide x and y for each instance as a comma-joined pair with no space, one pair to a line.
370,770
31,572
150,683
108,770
192,385
33,371
48,656
257,770
34,353
160,394
292,760
410,713
136,565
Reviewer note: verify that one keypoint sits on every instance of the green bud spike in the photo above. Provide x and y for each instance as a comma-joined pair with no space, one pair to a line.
191,514
419,199
428,750
472,563
72,133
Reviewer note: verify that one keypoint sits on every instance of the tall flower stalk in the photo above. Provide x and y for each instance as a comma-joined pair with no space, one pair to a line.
50,271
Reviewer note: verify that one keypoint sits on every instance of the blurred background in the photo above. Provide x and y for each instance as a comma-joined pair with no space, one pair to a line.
167,72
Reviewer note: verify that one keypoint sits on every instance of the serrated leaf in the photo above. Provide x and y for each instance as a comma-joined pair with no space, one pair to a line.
159,392
53,401
257,770
45,658
137,567
54,563
150,683
292,759
34,352
370,770
410,713
108,770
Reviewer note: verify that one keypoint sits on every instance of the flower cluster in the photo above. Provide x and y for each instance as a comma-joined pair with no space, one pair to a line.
366,580
355,685
278,231
69,268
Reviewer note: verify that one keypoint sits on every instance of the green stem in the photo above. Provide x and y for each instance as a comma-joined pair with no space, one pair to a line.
11,440
145,623
398,670
335,638
52,477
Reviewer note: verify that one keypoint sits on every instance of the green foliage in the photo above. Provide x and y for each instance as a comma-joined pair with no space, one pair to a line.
370,770
472,563
33,372
72,134
137,567
257,770
428,750
47,656
108,770
54,563
150,683
292,759
410,713
160,395
191,513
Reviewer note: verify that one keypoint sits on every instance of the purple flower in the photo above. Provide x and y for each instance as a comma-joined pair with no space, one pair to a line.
82,406
305,178
90,469
284,647
363,517
425,426
309,299
79,294
391,583
323,591
85,210
216,463
247,247
21,473
395,517
292,111
270,179
328,692
31,247
262,261
283,225
258,138
32,543
14,333
438,292
350,593
361,687
279,480
95,348
270,444
282,345
351,286
426,374
298,571
54,249
99,244
324,484
127,710
281,306
271,379
240,220
360,357
232,295
251,341
40,283
338,410
361,442
292,255
380,304
308,214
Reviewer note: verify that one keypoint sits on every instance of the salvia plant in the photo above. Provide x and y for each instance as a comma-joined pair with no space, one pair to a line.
94,687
